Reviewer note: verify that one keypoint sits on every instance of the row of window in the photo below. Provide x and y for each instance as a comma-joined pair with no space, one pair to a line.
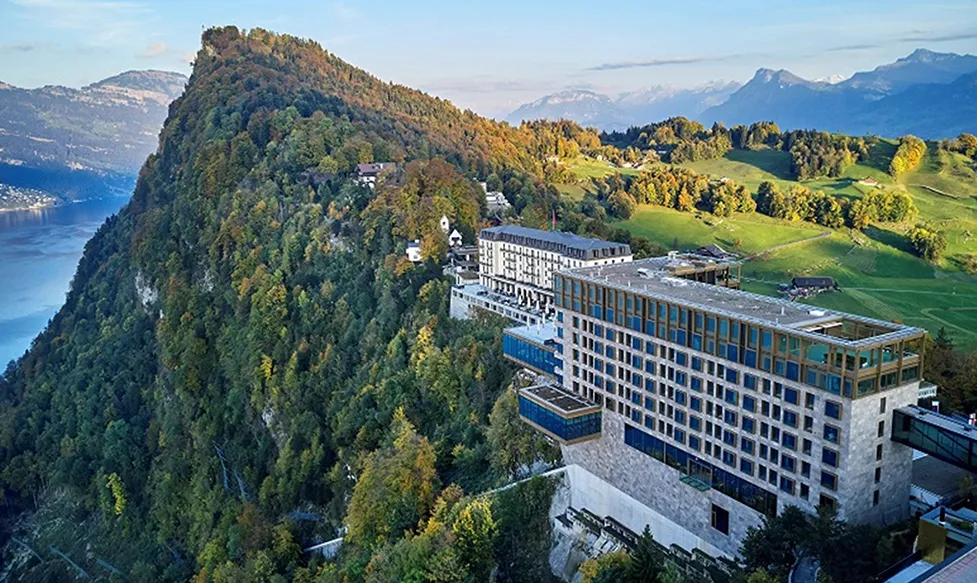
637,361
775,353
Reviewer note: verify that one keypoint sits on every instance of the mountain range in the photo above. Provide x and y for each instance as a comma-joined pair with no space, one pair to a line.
106,127
627,109
926,93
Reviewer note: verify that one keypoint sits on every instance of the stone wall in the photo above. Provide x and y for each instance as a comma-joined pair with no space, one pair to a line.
857,489
654,485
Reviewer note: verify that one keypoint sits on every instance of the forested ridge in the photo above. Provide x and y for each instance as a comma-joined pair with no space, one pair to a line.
245,343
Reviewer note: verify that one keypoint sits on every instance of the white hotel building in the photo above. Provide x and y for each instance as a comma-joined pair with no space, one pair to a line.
520,262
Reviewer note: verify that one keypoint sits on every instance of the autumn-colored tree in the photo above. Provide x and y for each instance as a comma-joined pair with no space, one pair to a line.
395,489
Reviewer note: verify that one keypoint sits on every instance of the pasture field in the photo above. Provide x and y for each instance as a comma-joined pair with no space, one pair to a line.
876,269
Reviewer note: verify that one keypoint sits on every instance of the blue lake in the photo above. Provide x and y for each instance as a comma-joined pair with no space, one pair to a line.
39,252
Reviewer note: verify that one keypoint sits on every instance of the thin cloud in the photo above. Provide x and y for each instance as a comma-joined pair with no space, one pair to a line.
669,61
851,48
18,48
939,38
153,50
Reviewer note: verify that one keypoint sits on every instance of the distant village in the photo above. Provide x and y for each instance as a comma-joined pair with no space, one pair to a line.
13,198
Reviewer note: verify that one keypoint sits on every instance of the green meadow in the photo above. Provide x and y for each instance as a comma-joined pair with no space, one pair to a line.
879,275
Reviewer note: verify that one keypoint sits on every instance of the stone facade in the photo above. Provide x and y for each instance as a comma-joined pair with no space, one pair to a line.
657,486
857,491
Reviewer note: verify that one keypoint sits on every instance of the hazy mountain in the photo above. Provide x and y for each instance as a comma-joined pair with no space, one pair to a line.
107,127
922,66
628,109
864,102
662,102
582,106
921,108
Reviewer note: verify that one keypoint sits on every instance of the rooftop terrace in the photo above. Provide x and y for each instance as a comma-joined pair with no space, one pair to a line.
558,400
655,278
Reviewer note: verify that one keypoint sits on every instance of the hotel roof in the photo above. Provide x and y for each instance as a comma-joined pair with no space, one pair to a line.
652,278
537,333
556,241
556,398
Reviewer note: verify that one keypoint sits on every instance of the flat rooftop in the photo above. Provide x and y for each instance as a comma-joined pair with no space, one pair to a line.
557,399
536,333
651,278
556,241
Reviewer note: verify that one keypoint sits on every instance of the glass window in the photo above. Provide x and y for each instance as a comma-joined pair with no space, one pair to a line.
832,409
829,457
749,403
747,445
829,480
749,425
746,466
790,418
787,485
789,441
831,433
791,396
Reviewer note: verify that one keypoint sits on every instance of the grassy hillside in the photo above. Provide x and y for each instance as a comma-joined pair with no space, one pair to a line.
879,274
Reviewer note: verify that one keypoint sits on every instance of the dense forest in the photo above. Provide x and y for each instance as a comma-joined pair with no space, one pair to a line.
245,363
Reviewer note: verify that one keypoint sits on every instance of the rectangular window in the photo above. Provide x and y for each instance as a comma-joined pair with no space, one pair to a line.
878,452
729,459
809,400
829,457
720,519
788,463
831,433
881,428
746,466
731,397
832,409
829,480
746,445
790,418
791,396
789,441
881,409
787,485
749,403
878,475
749,425
875,498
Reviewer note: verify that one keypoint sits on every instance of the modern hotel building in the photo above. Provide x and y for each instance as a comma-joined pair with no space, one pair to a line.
718,406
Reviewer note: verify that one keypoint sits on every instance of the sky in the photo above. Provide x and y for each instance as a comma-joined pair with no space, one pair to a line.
491,56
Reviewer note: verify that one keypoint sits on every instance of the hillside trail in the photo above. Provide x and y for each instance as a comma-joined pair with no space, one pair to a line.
775,248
